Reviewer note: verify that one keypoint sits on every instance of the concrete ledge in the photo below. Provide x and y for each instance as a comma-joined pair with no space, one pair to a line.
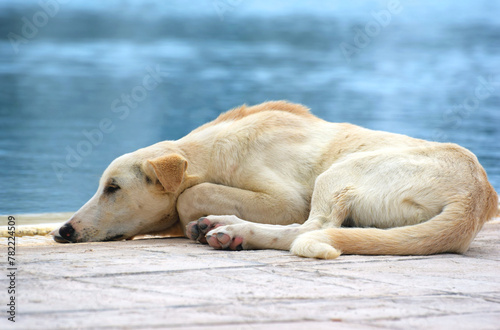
175,283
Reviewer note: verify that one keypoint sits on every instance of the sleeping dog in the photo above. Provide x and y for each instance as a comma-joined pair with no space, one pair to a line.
274,176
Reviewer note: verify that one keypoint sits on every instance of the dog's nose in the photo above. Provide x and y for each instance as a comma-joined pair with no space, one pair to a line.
66,232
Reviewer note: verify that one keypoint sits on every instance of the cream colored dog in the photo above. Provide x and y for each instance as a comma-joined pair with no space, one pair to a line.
300,183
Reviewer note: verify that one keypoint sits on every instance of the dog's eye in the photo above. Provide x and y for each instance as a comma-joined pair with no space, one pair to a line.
111,188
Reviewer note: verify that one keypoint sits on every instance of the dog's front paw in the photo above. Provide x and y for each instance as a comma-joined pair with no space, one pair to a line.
196,230
224,237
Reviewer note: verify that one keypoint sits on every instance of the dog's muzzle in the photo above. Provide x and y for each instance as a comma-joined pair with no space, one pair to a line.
65,234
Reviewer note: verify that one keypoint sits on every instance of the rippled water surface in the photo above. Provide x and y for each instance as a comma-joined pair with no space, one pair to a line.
92,81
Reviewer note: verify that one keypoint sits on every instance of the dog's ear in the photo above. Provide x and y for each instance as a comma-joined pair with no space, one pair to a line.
169,170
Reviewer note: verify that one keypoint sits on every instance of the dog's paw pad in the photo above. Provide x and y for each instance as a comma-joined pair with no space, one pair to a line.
196,230
224,241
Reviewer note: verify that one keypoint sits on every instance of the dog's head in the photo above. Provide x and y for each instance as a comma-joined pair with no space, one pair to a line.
137,195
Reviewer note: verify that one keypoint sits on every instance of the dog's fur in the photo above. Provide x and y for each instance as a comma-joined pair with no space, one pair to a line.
317,188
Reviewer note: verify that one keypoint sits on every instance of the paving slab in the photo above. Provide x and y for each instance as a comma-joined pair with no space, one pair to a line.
175,283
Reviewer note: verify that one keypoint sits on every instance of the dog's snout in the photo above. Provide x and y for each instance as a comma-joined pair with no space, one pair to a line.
66,233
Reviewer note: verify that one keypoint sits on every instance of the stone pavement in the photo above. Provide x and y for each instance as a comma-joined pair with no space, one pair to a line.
176,283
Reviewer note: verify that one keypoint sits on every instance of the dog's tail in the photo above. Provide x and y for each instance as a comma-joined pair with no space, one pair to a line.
452,230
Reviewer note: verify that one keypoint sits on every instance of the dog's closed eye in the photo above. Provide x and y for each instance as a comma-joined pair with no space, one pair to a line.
111,188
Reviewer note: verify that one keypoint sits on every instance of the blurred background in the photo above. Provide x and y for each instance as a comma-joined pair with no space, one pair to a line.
83,82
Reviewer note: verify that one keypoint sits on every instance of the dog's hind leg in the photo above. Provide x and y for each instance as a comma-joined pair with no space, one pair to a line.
330,209
433,214
450,231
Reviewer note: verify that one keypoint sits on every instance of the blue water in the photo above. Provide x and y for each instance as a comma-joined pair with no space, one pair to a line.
76,90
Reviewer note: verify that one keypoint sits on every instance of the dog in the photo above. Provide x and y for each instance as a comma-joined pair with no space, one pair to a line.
274,176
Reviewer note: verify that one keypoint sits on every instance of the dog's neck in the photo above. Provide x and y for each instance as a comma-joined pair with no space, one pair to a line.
198,157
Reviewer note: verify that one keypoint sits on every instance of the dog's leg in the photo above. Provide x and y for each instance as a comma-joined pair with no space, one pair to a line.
329,210
248,235
233,204
449,231
436,212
